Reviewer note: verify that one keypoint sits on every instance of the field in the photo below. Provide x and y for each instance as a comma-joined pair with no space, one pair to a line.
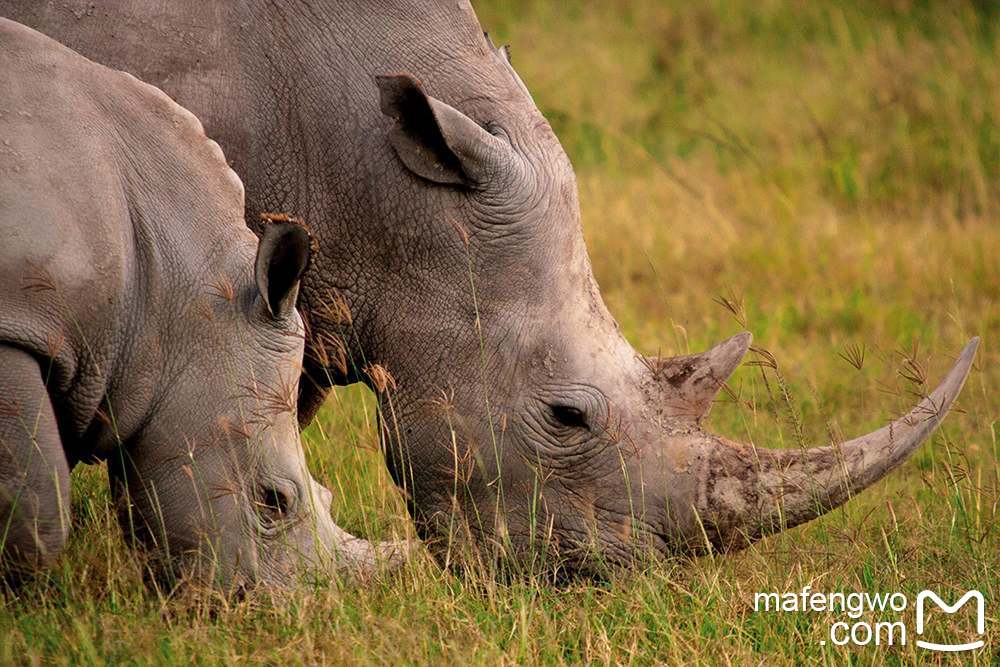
824,175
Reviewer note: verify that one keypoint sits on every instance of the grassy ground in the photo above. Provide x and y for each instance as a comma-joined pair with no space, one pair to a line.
832,173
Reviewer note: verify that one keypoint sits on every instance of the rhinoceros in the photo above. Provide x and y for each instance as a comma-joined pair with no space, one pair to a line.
138,326
453,279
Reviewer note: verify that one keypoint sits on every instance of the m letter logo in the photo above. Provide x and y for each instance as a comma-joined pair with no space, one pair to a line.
923,596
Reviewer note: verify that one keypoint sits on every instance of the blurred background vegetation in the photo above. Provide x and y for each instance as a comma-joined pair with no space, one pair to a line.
826,175
852,147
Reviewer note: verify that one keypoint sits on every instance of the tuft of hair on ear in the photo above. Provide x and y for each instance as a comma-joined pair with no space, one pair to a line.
270,218
503,53
283,255
503,50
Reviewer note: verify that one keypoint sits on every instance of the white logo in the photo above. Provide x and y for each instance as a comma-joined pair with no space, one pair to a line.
862,615
951,609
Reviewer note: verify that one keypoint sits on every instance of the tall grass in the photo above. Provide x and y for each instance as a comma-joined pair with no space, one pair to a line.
825,175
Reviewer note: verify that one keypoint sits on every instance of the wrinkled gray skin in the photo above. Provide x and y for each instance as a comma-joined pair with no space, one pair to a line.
518,410
135,329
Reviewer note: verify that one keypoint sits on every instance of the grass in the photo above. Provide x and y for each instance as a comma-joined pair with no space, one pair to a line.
826,176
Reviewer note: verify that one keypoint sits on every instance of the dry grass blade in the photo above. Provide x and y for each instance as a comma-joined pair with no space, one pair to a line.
381,379
735,305
854,354
765,360
222,287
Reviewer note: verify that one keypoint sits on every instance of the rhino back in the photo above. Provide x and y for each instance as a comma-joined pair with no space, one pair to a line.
288,89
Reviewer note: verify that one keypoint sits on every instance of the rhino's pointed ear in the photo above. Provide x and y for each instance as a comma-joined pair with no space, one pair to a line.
434,140
282,257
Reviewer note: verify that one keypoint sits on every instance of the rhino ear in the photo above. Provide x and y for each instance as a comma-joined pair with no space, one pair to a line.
434,140
282,257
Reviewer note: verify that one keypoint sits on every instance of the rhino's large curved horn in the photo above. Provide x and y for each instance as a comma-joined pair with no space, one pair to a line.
745,493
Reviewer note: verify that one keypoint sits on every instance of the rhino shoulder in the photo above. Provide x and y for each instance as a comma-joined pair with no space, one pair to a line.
86,154
59,202
148,131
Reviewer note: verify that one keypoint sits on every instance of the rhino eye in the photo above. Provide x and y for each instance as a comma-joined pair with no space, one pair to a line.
496,130
273,505
567,415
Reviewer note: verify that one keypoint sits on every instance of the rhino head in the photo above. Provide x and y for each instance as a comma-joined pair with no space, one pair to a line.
535,425
215,486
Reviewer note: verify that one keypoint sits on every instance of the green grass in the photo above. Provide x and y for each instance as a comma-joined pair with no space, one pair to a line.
830,171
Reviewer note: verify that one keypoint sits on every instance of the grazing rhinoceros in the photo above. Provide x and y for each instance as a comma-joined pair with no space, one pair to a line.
454,279
136,327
